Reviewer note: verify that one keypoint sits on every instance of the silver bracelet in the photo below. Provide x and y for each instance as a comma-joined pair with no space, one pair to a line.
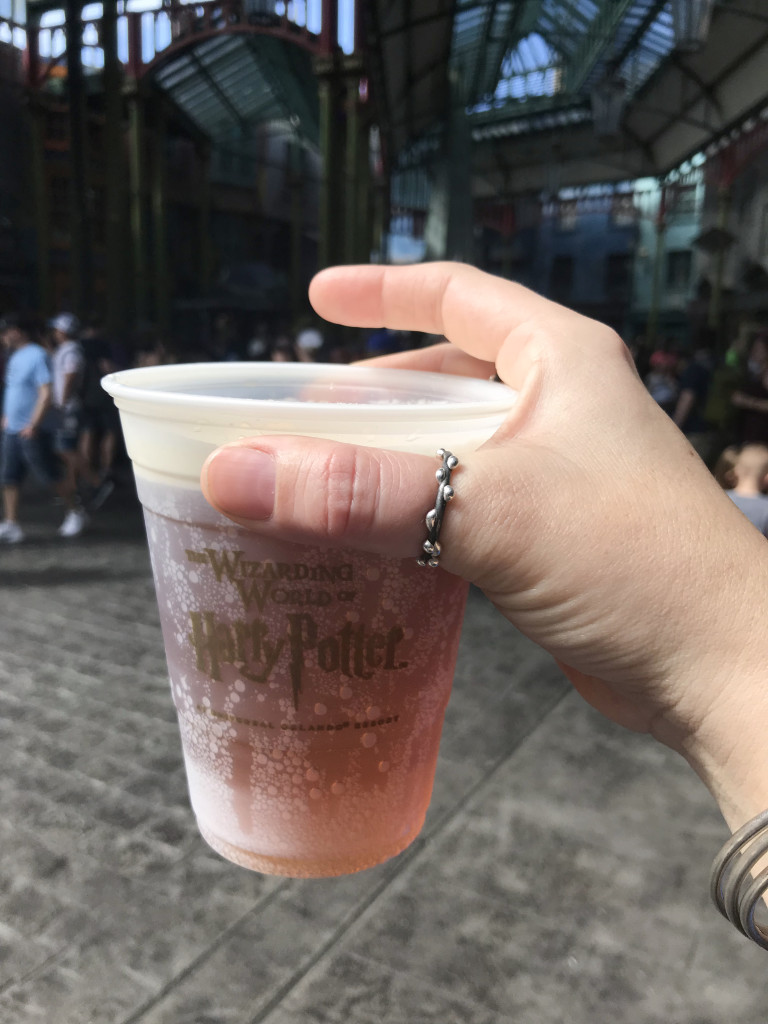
735,892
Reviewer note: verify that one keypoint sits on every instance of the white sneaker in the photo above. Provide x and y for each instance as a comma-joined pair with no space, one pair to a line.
11,532
75,521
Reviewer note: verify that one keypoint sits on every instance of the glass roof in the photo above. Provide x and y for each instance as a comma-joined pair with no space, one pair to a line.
520,65
565,23
512,51
655,43
229,83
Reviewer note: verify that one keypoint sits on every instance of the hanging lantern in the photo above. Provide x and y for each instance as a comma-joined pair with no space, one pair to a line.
691,19
608,101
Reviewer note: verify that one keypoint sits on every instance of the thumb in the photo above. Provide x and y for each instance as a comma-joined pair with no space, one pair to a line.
312,491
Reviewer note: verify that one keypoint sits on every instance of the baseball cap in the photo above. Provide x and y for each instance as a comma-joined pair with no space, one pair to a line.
309,338
67,323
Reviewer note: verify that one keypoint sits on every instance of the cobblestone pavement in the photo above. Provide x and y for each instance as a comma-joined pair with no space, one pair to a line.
561,874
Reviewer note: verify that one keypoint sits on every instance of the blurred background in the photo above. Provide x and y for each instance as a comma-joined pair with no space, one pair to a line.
171,176
176,172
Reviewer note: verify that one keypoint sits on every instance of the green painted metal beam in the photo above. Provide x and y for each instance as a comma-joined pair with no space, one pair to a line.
42,213
138,212
491,54
595,42
115,169
293,86
210,79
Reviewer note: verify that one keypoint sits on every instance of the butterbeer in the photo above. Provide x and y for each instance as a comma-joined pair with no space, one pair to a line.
310,685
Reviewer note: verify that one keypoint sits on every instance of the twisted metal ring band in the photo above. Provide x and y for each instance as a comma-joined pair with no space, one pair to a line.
734,890
434,518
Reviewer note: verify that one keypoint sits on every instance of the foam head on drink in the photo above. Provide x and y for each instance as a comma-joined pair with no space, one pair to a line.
310,684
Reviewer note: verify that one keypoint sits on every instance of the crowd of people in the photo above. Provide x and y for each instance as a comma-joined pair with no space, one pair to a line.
58,424
61,427
721,405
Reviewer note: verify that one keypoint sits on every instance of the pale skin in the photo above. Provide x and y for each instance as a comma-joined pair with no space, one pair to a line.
588,519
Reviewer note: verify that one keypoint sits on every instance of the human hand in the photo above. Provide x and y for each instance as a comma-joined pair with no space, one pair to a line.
587,519
28,432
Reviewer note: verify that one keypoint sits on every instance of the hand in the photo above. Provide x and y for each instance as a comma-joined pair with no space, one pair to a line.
28,432
587,519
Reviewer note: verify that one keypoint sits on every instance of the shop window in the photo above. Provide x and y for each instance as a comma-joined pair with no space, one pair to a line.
561,278
679,270
567,215
618,275
684,200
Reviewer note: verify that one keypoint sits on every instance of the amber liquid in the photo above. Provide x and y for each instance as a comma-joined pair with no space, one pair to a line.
310,688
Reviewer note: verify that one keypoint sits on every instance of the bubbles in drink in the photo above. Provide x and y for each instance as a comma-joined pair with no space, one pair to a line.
310,728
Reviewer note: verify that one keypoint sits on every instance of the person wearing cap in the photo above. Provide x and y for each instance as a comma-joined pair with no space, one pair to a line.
309,341
27,429
68,375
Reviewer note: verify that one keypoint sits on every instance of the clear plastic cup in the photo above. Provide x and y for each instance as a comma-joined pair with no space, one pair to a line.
310,684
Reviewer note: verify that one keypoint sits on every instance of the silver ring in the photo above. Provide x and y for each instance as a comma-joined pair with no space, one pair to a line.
434,518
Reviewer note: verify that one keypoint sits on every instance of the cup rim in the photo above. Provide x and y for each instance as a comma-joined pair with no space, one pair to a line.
152,385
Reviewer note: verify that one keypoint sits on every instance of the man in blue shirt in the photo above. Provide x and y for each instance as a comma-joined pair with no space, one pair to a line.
27,442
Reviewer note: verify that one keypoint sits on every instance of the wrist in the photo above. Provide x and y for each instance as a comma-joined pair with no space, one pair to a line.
718,719
727,756
725,747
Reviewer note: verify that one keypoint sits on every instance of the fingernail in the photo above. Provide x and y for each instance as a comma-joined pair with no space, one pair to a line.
241,482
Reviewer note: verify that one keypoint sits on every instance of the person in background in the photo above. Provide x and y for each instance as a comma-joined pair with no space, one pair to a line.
719,411
68,366
750,397
282,350
309,341
693,387
100,427
258,345
151,351
27,444
749,476
723,468
661,381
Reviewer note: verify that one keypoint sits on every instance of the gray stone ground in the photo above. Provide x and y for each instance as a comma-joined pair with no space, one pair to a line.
562,873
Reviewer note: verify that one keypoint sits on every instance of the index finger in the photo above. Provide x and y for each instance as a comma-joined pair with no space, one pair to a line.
472,309
440,358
